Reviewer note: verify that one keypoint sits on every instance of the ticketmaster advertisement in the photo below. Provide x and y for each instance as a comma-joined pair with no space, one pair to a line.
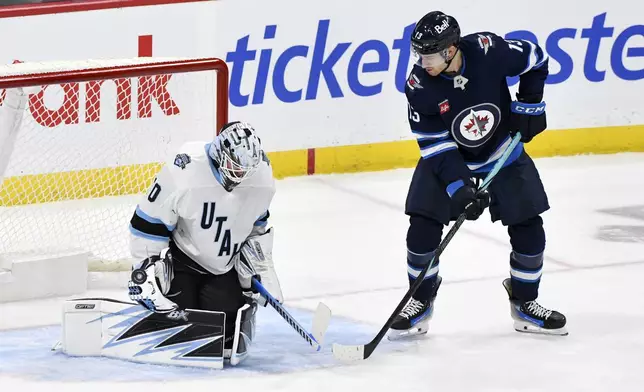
325,74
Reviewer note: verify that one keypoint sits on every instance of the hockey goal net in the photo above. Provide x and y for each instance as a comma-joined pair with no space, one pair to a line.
80,141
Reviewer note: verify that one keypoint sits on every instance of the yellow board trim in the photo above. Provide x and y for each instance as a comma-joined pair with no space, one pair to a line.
123,180
288,163
604,140
398,154
366,157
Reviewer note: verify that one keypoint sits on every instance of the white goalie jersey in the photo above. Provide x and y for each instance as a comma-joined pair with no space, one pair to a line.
188,205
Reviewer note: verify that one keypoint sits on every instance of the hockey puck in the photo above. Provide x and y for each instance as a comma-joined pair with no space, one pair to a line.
139,276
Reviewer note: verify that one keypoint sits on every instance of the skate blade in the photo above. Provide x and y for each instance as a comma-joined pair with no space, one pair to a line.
524,327
417,330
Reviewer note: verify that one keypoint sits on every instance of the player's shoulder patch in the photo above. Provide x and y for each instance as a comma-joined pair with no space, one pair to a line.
182,160
485,42
482,41
417,81
413,82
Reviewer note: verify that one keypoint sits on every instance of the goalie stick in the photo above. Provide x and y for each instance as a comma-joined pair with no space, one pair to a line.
321,319
363,351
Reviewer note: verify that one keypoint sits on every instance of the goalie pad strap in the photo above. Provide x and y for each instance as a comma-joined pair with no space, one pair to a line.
244,333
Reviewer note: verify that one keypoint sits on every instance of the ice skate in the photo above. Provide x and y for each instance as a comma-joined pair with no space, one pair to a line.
533,318
414,319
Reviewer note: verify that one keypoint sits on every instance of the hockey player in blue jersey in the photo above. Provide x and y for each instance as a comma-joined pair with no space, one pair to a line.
463,116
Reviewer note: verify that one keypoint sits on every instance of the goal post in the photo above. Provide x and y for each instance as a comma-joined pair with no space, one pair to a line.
81,140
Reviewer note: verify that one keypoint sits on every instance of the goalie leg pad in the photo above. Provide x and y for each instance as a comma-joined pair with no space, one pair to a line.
115,329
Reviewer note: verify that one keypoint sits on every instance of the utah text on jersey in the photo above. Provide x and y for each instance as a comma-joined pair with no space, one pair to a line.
187,205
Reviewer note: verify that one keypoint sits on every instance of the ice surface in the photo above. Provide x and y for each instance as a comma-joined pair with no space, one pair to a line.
341,239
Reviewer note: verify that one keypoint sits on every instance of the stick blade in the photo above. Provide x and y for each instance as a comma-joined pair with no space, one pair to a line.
321,321
348,353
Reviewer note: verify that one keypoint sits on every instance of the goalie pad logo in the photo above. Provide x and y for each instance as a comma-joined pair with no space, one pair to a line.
178,315
182,160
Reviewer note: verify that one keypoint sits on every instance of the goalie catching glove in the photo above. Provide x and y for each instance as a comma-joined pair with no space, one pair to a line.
150,282
255,260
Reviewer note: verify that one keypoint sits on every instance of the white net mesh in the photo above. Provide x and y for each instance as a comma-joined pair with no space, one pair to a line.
78,154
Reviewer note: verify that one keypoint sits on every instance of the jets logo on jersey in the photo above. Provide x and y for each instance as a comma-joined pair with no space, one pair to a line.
485,42
413,82
475,125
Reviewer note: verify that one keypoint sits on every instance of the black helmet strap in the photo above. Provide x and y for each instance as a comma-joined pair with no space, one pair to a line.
449,62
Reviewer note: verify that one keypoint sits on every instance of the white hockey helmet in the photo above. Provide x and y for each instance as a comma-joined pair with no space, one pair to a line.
237,153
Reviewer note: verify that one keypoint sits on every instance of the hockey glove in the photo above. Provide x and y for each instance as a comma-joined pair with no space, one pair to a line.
255,260
468,200
528,116
150,282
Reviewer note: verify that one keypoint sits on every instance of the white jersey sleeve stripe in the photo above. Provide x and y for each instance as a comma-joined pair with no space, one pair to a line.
437,148
532,56
429,136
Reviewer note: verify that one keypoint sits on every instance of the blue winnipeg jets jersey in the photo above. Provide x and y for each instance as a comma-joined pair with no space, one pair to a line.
461,121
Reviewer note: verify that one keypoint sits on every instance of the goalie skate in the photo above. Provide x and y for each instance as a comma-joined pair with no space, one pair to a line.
530,317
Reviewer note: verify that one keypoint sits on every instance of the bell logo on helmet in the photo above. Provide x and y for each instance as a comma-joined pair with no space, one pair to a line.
442,27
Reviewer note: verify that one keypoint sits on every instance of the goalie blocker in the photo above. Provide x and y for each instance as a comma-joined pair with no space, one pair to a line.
109,328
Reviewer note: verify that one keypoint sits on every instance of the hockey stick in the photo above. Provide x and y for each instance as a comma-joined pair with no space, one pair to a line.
320,324
363,351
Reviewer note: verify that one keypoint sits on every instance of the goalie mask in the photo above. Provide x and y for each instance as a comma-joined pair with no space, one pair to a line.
236,152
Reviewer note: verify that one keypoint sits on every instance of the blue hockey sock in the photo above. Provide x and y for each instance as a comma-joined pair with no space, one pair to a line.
423,237
528,241
415,264
525,272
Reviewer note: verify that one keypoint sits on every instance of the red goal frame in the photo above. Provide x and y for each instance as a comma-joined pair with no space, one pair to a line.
132,71
191,65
